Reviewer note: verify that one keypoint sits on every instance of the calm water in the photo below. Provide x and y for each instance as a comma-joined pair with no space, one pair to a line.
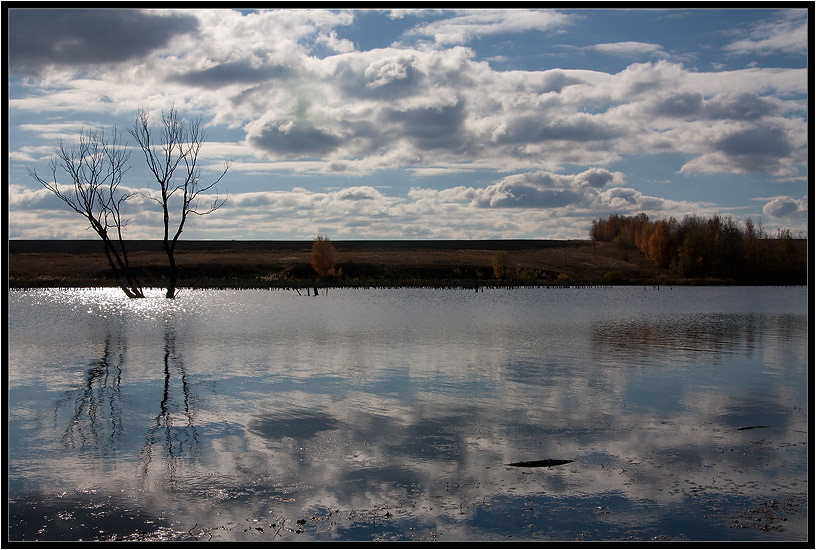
393,414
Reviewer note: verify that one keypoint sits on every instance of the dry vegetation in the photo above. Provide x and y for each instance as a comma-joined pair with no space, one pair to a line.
261,264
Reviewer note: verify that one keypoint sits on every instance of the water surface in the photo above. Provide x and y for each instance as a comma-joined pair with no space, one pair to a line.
393,414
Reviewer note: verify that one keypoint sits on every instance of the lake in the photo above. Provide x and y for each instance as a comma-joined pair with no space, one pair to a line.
395,414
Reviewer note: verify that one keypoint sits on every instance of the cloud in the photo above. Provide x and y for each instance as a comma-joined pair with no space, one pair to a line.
379,75
530,190
739,106
681,105
431,128
363,193
758,148
641,78
630,49
598,178
334,43
403,106
225,74
279,105
291,139
21,197
522,195
787,33
70,38
468,25
758,141
536,204
579,127
786,207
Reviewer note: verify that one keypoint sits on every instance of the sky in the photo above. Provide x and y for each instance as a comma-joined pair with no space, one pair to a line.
424,124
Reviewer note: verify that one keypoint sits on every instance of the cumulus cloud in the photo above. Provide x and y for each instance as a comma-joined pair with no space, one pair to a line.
380,75
739,106
682,105
431,128
577,127
546,190
225,74
334,43
33,199
758,145
523,195
760,148
296,96
70,37
292,139
414,106
524,205
786,207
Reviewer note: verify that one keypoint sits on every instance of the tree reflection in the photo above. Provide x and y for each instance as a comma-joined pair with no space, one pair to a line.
176,418
93,411
96,422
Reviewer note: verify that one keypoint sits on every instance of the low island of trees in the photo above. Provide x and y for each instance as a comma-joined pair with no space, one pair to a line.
718,249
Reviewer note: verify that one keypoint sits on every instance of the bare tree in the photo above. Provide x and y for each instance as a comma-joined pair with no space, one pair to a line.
173,161
95,169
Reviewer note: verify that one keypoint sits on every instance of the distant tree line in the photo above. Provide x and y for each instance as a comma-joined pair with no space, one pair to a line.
715,248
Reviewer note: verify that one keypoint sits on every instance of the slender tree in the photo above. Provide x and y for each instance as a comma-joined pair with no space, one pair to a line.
95,168
173,159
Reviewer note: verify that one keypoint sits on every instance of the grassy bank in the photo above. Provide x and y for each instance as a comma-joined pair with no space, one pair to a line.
361,264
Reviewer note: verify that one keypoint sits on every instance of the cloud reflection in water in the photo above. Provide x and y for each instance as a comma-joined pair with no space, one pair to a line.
236,407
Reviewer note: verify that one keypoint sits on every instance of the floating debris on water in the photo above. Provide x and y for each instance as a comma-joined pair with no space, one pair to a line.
539,463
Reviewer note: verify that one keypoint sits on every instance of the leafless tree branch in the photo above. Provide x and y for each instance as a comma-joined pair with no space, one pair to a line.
173,161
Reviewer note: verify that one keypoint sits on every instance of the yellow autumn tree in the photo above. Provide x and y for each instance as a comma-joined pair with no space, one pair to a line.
659,244
501,264
323,256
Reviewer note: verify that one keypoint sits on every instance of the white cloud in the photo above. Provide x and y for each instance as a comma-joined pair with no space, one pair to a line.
787,33
786,207
409,107
274,106
630,49
525,205
331,40
467,25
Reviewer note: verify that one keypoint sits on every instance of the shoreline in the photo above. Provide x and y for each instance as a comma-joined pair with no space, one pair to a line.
360,264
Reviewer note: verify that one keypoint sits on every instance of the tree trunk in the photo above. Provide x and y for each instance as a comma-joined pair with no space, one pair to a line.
173,275
129,285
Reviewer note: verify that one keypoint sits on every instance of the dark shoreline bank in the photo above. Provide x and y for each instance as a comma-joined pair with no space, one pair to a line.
361,264
93,246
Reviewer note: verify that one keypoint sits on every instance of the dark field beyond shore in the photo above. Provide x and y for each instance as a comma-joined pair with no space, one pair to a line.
287,264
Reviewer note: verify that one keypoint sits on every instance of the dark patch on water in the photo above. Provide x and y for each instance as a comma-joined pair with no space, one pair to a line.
81,516
539,463
612,516
297,425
